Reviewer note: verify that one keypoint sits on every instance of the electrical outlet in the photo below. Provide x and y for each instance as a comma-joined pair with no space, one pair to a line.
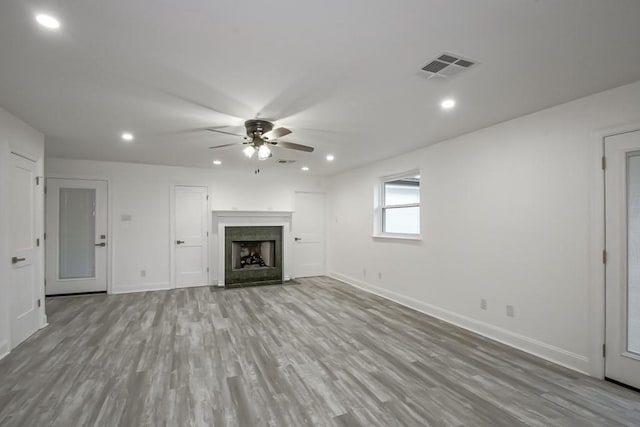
143,273
511,311
483,304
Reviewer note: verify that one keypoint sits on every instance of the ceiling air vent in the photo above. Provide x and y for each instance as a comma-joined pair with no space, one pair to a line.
447,65
286,162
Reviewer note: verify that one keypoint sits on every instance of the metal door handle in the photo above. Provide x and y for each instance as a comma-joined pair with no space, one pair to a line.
102,244
16,260
179,242
297,239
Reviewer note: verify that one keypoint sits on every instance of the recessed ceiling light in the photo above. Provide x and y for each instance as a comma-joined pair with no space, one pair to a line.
448,104
330,157
48,21
304,168
127,136
217,162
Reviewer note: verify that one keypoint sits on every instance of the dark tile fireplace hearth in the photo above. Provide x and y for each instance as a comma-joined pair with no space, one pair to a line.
253,255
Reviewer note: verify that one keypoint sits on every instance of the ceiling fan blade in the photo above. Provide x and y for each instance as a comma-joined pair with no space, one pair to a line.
226,145
192,130
277,133
225,132
293,146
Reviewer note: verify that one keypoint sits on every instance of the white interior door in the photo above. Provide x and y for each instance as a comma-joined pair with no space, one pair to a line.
23,283
622,186
76,244
191,246
309,234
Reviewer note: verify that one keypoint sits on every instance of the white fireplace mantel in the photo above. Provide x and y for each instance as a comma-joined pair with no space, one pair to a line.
237,213
238,218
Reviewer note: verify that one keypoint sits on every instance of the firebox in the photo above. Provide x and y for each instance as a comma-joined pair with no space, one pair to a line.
253,254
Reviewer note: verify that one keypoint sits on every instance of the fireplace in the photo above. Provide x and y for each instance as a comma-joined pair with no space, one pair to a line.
253,255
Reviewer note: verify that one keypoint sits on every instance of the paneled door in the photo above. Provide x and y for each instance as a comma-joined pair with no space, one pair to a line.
622,187
308,223
191,246
76,244
24,289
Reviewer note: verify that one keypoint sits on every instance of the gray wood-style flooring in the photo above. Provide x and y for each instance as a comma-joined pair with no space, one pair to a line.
314,353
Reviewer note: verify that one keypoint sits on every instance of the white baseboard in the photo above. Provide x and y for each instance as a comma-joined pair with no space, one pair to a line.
141,287
543,350
4,349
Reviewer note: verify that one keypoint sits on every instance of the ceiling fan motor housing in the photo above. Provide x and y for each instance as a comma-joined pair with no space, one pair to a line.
257,127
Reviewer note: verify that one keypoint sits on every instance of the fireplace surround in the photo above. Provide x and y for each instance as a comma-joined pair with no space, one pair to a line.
253,255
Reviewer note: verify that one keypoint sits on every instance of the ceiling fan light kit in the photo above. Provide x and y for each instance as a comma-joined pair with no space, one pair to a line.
260,136
248,151
264,152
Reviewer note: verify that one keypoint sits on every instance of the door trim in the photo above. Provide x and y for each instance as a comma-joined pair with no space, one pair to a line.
597,243
172,233
111,245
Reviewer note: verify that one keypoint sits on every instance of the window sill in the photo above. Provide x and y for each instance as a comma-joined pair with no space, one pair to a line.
391,236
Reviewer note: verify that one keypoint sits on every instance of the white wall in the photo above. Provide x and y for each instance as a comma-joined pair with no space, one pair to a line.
143,191
509,214
17,136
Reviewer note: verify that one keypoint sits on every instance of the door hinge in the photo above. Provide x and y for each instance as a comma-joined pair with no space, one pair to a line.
38,242
37,180
207,269
604,350
207,197
45,189
45,236
604,256
39,303
604,163
207,234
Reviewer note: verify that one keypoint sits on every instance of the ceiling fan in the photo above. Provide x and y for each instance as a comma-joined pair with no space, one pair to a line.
260,136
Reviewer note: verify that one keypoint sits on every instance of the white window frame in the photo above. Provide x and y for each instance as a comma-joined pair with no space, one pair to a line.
381,206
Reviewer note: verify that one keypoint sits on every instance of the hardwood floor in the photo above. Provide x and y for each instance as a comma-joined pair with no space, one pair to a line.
316,353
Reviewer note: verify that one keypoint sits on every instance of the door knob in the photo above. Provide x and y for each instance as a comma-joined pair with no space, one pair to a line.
102,244
16,260
179,242
297,239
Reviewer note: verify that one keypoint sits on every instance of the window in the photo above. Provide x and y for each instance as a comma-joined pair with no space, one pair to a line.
400,205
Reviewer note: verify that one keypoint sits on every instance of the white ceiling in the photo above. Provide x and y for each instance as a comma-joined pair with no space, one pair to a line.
343,75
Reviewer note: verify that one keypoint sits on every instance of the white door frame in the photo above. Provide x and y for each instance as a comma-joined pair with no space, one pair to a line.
172,232
76,285
597,279
38,230
111,243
